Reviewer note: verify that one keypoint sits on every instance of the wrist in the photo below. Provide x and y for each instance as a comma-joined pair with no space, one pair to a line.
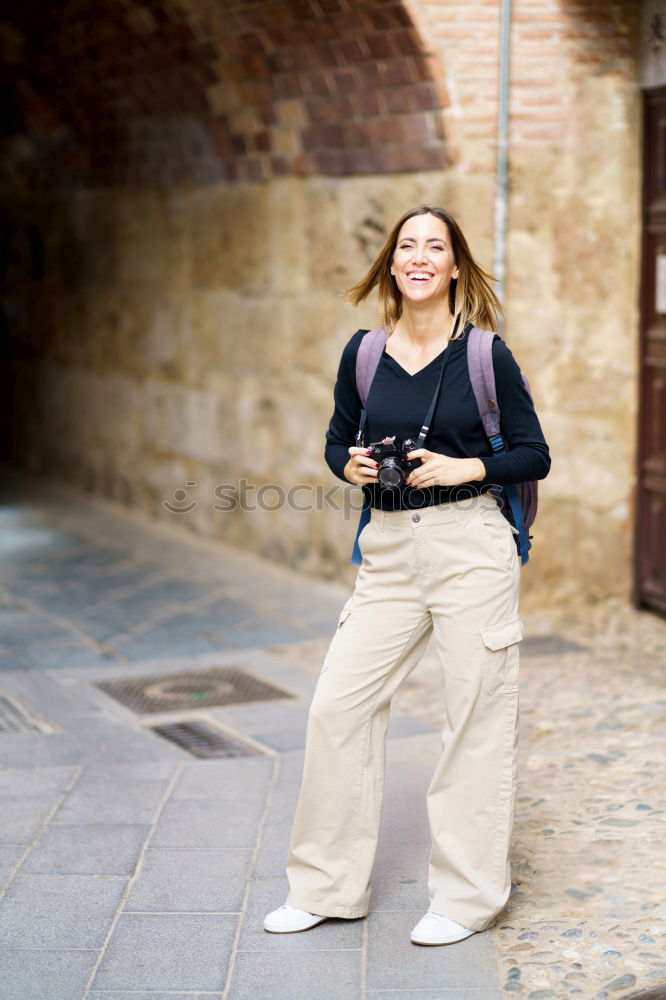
479,470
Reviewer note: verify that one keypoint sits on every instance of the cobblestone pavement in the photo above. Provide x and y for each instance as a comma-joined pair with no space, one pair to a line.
154,859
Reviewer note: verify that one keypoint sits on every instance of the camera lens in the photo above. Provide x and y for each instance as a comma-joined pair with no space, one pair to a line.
390,473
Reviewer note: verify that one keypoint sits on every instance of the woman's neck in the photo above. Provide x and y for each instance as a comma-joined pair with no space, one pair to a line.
421,328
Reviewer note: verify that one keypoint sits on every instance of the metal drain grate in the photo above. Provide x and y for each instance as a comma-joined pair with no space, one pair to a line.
549,645
204,741
190,689
14,719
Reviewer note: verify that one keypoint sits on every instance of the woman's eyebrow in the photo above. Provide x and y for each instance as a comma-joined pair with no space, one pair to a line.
431,239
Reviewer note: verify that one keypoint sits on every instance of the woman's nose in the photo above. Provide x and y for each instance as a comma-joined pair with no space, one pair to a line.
418,256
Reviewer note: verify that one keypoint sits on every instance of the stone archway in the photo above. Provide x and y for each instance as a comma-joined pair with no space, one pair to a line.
158,94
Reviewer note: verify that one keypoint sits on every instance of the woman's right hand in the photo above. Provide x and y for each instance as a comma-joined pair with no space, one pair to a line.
360,469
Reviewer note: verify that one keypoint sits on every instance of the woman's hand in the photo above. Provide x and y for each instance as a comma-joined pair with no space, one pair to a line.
360,469
442,470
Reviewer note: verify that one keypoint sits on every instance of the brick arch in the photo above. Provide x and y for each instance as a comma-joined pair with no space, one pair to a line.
166,92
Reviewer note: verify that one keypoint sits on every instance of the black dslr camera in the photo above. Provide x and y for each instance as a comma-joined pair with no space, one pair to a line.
393,466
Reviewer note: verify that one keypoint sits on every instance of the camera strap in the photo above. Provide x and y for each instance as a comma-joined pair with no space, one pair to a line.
431,412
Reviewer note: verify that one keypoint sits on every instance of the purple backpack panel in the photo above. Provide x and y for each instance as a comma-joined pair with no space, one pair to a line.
482,377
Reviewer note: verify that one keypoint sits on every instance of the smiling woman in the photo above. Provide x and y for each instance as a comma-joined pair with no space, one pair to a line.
423,265
433,232
452,568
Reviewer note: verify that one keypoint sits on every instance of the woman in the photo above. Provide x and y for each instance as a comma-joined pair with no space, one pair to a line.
437,554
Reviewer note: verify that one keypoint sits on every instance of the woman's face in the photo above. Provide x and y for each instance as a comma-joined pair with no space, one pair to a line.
423,263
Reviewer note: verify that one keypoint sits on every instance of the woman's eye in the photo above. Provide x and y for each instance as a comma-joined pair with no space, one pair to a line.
408,246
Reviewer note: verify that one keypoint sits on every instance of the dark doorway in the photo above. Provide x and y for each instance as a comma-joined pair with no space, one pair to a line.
650,547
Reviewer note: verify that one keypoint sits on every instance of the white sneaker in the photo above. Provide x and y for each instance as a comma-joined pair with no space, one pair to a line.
287,919
436,929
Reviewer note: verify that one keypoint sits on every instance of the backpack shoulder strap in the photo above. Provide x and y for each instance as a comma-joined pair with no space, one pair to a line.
369,352
482,377
367,359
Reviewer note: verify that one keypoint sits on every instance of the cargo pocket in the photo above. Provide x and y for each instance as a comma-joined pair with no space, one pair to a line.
501,655
342,618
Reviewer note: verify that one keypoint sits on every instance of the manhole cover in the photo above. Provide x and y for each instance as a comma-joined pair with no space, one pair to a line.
204,741
190,689
14,719
549,645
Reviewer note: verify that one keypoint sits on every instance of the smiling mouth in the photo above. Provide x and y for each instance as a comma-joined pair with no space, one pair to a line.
420,276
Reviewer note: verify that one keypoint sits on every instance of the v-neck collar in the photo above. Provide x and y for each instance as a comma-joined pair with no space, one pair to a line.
409,375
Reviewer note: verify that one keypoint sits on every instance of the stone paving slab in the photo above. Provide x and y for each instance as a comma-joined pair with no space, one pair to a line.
180,879
49,698
239,779
168,951
74,594
58,912
148,599
23,816
9,857
271,856
58,651
45,975
18,750
88,849
136,995
45,782
117,794
209,823
297,975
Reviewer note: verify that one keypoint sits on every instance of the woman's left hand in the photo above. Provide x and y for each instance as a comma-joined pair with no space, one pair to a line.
442,470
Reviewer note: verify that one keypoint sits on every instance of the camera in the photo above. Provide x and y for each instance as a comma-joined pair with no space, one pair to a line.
393,466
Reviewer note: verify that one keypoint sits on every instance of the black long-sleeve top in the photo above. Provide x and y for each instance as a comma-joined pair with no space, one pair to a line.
398,403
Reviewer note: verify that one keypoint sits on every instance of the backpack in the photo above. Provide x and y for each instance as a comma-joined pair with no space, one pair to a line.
519,502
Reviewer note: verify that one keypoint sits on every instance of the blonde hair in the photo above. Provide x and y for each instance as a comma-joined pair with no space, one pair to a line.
470,294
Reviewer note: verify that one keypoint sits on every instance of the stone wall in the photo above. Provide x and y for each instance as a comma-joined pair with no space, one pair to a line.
192,334
194,337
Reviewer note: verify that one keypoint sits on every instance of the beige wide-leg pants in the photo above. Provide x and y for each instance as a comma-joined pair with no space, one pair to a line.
452,568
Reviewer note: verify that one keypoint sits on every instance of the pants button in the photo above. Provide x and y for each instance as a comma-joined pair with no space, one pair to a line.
416,518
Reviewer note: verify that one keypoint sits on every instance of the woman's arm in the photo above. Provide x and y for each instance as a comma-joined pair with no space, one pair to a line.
528,457
341,433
